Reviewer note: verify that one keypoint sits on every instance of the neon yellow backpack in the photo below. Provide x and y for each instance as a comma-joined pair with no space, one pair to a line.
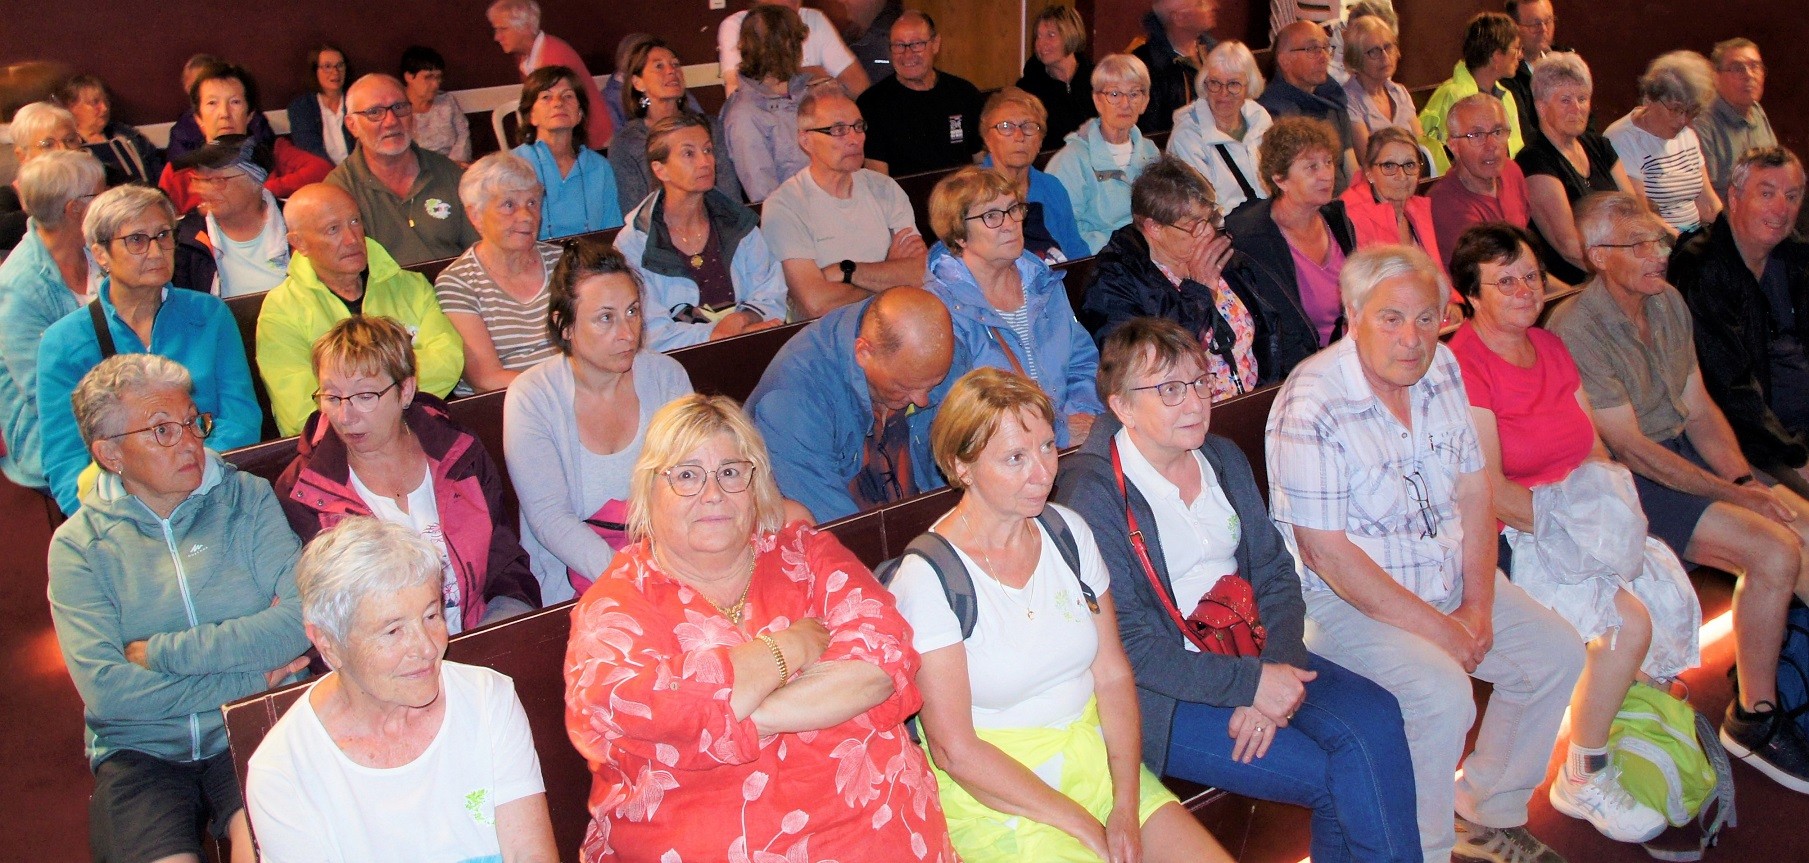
1670,759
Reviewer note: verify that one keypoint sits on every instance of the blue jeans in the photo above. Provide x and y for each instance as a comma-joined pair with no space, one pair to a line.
1343,755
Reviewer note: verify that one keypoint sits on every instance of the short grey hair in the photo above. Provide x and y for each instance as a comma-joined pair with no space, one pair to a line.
1360,36
496,174
1598,216
357,559
522,13
1471,101
100,396
1119,69
1370,267
1682,77
1235,58
48,183
1757,158
1558,68
34,122
119,205
820,90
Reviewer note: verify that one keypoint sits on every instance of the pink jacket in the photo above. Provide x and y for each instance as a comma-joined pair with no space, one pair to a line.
1374,220
555,51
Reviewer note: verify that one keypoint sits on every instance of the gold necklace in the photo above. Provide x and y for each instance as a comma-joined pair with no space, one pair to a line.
734,612
1029,613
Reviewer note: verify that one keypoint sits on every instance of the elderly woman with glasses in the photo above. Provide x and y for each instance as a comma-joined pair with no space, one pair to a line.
48,276
1221,132
317,117
1029,709
495,294
737,681
1533,423
1011,128
238,242
172,594
574,424
379,447
1372,97
1010,310
760,118
1565,162
580,184
395,754
1660,149
128,155
1098,163
1173,261
131,234
37,128
1180,522
1058,73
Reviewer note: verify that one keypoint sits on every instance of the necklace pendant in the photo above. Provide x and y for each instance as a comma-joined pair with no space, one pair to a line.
697,262
1029,614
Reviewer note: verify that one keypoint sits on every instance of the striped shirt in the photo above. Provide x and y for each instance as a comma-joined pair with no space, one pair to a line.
517,329
1670,171
1339,460
1019,322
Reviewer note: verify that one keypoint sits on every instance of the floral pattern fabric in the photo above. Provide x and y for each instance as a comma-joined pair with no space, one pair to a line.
1243,343
676,777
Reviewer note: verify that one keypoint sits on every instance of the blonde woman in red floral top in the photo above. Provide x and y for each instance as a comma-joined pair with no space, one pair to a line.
739,687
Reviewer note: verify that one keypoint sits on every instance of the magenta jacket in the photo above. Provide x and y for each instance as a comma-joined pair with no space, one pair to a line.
1374,220
316,493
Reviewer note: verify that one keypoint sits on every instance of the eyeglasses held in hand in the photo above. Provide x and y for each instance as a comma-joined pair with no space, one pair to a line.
168,434
841,130
995,218
687,480
375,115
1026,129
1171,392
140,243
1416,486
364,401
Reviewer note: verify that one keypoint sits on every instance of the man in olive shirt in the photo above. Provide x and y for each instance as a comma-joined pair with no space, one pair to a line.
407,196
1630,333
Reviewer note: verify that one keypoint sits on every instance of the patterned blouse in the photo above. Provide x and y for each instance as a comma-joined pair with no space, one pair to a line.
1243,331
677,778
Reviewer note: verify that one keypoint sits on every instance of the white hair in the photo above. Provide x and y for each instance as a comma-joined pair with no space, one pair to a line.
522,13
36,121
355,560
119,205
1370,267
48,183
1235,58
99,397
1119,69
1557,69
498,173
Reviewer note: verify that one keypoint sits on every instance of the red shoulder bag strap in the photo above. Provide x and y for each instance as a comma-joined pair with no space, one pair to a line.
1149,569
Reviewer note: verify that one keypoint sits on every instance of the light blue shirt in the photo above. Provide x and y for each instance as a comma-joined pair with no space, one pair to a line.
32,297
579,202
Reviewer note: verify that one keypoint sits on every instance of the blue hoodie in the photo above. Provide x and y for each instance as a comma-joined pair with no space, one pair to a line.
1058,212
814,409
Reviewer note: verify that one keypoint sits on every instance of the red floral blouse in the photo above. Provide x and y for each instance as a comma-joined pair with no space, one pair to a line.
678,778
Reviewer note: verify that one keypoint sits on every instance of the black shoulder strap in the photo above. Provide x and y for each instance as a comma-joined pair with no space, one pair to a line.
102,335
1057,526
1243,184
957,583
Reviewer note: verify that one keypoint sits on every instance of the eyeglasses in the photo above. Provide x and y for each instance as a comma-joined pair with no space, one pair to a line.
1324,48
1650,248
1214,85
375,115
1416,487
1511,285
67,142
1540,23
1752,67
364,401
687,480
1395,169
842,130
1026,129
1123,96
199,179
1687,112
1201,227
1171,392
168,434
1496,135
911,47
139,243
995,218
1379,51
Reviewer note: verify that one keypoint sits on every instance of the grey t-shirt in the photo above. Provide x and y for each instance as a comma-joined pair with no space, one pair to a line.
1618,367
517,329
801,221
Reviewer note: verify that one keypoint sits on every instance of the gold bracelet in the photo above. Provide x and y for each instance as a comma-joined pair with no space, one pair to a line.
772,645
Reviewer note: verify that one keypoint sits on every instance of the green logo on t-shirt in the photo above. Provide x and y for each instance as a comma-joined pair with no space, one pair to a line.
474,806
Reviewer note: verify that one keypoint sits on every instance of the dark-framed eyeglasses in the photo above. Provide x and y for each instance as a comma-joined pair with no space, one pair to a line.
911,47
688,480
168,434
1324,48
1395,169
1214,85
140,243
363,401
375,115
1416,487
1497,134
1172,392
842,130
1025,129
995,218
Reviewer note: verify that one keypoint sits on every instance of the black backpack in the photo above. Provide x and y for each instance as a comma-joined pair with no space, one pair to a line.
958,583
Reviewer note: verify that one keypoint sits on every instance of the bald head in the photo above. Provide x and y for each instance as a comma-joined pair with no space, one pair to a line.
905,346
1303,54
324,227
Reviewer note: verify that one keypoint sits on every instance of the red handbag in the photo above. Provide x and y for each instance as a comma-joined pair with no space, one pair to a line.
1226,620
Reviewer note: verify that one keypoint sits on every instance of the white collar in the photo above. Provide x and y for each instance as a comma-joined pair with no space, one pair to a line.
275,236
532,61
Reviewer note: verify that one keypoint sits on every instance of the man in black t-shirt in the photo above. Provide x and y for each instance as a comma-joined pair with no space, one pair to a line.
920,119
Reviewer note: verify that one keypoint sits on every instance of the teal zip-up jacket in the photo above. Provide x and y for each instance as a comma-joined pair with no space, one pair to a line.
211,590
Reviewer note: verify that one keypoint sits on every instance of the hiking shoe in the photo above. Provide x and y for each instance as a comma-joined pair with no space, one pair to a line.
1600,800
1477,844
1770,742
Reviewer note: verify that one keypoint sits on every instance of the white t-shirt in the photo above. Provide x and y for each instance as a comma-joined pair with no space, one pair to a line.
245,268
308,802
332,124
1121,153
1669,170
800,220
822,47
422,517
1024,672
1199,541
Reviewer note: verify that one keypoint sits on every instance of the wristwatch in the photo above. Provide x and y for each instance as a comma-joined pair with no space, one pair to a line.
847,272
1743,479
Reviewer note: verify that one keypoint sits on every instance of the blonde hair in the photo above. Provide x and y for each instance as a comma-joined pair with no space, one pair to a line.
973,410
679,429
366,344
1068,25
957,192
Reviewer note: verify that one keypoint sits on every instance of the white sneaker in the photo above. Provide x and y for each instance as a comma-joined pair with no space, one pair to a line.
1601,801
